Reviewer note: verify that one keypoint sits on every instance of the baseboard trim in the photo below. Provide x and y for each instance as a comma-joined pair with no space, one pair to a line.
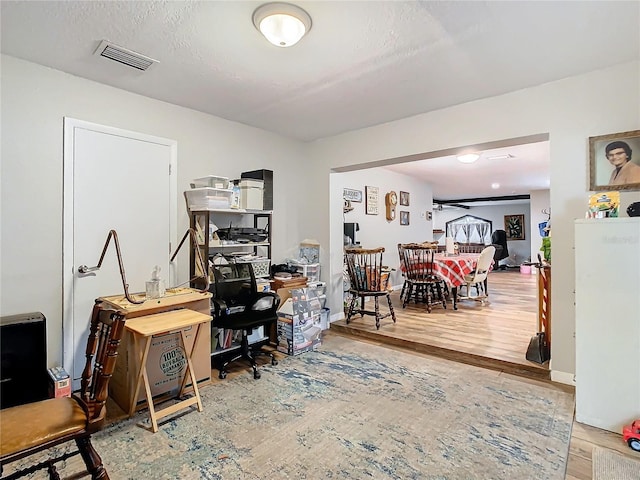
566,378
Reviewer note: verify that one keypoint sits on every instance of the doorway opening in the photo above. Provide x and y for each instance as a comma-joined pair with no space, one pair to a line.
495,335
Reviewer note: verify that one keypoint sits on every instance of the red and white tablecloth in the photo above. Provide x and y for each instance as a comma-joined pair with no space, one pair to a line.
454,268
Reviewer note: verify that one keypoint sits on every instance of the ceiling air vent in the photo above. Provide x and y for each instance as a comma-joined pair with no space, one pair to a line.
124,56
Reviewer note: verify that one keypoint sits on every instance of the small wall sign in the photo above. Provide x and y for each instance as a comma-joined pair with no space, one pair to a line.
371,205
352,195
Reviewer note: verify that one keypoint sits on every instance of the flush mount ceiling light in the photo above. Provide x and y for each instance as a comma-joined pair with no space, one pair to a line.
283,24
468,157
495,186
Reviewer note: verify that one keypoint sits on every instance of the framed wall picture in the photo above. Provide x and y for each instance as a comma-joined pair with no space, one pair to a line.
611,163
514,226
404,198
371,200
404,218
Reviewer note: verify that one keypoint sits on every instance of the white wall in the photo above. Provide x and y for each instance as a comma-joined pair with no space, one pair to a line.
376,230
307,202
34,101
519,250
570,111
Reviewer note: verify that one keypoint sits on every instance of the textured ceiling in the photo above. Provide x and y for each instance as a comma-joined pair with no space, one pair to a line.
363,63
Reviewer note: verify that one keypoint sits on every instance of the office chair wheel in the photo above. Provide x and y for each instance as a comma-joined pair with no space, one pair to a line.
222,375
256,374
274,361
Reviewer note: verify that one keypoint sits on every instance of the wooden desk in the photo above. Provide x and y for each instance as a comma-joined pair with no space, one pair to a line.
121,387
168,322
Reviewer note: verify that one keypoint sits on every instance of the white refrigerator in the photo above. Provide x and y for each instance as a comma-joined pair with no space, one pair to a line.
607,257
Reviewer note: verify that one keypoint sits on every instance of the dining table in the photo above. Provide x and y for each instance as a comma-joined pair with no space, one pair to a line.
453,268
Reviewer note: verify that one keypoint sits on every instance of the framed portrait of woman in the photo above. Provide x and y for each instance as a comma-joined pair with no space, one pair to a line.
614,161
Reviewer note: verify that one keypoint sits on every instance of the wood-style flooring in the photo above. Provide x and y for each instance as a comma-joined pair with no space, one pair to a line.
494,335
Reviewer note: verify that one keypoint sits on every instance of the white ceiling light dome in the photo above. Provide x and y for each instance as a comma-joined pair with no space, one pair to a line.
468,157
283,24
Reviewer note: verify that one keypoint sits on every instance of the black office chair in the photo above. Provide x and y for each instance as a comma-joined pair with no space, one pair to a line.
499,240
236,305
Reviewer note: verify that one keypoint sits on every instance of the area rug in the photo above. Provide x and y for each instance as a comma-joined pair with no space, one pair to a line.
611,465
354,410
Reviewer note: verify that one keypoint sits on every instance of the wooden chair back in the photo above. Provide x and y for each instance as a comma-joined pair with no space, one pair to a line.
366,270
106,331
471,247
59,420
417,262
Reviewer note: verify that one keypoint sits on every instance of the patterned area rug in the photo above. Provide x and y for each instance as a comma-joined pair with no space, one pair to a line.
611,465
354,411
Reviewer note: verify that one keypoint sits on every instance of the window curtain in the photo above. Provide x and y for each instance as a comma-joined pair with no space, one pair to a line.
483,230
466,229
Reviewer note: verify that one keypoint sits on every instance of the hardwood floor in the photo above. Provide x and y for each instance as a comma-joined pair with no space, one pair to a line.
494,335
583,439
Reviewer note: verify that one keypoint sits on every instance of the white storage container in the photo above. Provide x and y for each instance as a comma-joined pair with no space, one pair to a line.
212,181
311,271
251,194
320,287
207,198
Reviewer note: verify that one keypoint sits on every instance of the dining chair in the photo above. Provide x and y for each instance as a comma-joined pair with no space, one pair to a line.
423,284
478,278
403,269
34,427
470,247
368,278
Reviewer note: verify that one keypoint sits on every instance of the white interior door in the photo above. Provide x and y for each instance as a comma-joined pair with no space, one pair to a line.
114,180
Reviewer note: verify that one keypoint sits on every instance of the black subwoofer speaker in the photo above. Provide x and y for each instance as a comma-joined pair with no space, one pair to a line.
23,359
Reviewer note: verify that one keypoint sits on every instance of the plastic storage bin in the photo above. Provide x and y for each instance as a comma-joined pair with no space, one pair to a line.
212,181
207,198
310,270
320,287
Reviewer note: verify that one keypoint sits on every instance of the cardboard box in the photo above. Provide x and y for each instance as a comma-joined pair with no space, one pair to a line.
298,327
251,197
59,382
267,192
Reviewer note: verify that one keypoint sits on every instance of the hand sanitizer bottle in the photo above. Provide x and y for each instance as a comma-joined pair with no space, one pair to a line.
155,286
